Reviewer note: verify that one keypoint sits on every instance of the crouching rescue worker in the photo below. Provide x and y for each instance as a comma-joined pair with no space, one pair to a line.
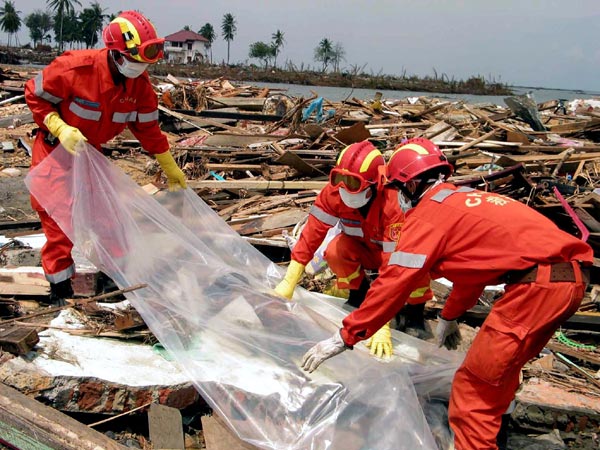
92,95
474,239
371,219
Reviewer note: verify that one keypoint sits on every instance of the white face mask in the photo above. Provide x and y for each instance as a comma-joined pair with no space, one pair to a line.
357,200
405,203
130,69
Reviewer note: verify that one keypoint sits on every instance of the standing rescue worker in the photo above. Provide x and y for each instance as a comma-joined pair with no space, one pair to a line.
474,239
92,95
369,234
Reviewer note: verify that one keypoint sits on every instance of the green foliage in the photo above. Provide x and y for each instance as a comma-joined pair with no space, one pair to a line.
208,32
40,23
229,28
62,8
262,51
67,28
91,21
324,53
10,22
277,42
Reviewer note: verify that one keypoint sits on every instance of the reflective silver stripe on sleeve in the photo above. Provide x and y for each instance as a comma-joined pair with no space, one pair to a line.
148,117
39,90
375,241
84,113
410,260
389,247
445,193
124,117
323,216
352,231
62,275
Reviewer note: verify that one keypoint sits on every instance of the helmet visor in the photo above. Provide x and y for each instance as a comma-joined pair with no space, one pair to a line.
349,181
149,52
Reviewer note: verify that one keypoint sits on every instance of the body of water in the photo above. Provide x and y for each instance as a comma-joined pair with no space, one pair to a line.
337,94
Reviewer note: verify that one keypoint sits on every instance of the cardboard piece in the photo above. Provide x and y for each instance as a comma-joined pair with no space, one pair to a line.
218,436
165,427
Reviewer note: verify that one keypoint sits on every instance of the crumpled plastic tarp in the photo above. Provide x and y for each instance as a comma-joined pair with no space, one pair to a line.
209,301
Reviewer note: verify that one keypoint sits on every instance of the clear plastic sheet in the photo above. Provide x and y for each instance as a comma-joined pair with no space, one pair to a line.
209,303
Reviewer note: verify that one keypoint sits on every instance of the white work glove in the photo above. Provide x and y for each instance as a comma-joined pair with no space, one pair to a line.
447,334
381,342
322,351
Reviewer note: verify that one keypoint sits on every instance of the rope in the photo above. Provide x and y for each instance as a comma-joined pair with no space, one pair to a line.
560,336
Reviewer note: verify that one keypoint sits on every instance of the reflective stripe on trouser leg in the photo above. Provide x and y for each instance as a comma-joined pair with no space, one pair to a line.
516,330
56,253
348,257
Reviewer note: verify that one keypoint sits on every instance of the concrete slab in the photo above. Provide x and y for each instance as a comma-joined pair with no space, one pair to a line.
100,375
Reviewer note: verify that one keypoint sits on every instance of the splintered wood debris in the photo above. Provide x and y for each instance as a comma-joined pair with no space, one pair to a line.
259,157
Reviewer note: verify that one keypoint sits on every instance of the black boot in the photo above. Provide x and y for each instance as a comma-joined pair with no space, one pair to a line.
357,296
411,320
60,291
502,438
106,285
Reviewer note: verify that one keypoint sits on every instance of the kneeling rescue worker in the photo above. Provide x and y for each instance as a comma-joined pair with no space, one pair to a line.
371,219
474,239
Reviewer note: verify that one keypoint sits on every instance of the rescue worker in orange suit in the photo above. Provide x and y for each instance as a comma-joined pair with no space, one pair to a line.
474,239
369,233
92,95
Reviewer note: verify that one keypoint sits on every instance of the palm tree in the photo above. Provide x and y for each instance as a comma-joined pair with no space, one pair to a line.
228,27
338,54
324,52
208,32
278,41
10,22
62,7
92,20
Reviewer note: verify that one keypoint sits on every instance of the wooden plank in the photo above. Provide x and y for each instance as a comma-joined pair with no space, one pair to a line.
17,340
200,123
238,140
474,162
27,424
260,185
268,242
290,159
270,222
244,103
31,276
165,428
22,289
231,114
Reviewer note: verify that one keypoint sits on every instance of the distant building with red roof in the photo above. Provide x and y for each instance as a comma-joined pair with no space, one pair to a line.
185,47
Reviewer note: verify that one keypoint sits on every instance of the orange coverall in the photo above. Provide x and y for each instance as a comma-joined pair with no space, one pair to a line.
79,86
364,243
474,239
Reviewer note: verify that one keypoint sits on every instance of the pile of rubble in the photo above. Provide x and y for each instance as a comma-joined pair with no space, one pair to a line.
259,157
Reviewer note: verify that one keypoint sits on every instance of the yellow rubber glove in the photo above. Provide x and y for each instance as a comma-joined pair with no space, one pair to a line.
381,342
175,177
68,136
286,287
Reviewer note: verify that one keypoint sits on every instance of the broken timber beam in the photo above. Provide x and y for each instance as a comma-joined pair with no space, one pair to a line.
257,185
27,423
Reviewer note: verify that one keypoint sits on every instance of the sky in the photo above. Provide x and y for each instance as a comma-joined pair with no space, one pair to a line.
537,43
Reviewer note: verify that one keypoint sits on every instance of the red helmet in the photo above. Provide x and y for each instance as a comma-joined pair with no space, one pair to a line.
357,167
134,35
415,157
